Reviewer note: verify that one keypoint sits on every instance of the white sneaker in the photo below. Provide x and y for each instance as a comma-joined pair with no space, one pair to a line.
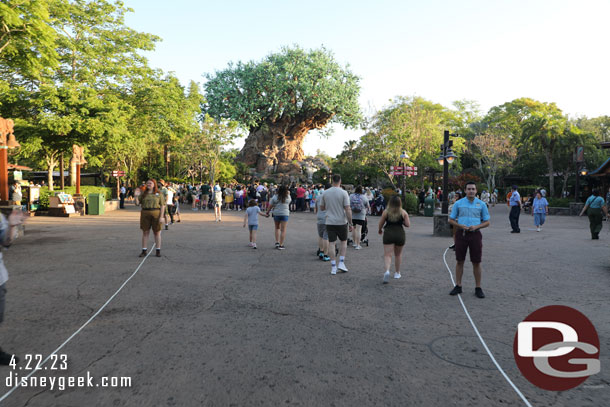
250,244
538,229
342,267
397,275
358,247
386,277
333,271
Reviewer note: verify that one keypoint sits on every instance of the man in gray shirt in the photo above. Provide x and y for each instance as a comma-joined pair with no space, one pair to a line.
335,201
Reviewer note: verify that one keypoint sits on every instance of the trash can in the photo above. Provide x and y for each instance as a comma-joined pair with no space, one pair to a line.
429,206
96,204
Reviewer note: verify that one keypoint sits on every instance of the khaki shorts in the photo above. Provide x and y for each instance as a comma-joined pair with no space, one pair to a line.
149,218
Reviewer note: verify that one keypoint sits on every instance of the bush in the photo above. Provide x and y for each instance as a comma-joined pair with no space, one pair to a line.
411,204
559,202
84,190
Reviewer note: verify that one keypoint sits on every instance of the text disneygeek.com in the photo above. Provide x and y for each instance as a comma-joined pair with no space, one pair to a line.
64,382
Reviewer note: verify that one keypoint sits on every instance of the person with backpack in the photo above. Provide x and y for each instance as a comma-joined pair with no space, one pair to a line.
594,207
360,207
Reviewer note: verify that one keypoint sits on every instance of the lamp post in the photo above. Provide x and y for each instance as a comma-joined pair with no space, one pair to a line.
7,141
404,156
580,170
446,157
579,158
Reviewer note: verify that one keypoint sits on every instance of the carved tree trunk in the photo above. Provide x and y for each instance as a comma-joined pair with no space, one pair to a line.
274,146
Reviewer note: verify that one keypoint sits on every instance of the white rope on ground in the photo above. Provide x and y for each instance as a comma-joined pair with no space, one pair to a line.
493,359
8,393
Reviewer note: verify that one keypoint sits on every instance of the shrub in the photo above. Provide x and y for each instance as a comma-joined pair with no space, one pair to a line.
559,202
84,189
411,204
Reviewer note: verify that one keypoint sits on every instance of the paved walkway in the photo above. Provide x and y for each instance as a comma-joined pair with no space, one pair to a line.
216,323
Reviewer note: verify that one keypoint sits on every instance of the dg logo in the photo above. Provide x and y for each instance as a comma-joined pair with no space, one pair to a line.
556,348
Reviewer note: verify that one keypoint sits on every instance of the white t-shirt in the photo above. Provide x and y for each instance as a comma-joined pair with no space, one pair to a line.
170,197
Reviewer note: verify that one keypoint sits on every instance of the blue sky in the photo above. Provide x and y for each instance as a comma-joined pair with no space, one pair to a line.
488,51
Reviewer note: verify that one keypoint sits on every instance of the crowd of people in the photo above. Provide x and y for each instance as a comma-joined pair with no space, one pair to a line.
341,217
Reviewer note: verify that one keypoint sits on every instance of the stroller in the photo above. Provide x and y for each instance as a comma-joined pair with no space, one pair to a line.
363,234
378,206
364,238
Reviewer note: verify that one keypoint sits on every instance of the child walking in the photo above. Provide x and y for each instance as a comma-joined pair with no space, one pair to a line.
251,217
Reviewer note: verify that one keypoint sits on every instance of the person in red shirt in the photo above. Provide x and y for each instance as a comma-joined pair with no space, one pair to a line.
300,198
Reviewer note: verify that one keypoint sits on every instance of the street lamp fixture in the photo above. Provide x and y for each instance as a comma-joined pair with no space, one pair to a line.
404,155
447,156
447,152
581,170
450,156
441,159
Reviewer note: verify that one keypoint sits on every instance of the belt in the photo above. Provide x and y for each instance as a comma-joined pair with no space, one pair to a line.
150,209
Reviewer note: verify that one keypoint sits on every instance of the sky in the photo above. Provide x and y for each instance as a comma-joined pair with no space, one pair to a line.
488,51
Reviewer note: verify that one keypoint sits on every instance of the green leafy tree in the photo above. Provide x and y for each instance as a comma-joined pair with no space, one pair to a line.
599,127
535,125
27,40
82,100
280,99
410,124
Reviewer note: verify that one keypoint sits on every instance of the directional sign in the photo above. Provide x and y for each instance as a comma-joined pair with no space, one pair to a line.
118,173
399,168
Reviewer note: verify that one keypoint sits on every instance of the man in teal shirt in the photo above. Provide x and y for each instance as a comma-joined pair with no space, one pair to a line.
469,215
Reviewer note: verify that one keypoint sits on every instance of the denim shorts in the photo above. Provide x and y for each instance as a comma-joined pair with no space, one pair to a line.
252,227
280,218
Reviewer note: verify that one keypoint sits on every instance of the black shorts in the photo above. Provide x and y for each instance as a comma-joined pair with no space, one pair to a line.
465,241
358,222
337,231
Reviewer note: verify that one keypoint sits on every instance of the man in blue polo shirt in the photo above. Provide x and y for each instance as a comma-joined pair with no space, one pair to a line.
515,210
468,216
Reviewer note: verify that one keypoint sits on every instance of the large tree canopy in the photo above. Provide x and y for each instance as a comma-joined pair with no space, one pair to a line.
535,124
280,99
26,37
